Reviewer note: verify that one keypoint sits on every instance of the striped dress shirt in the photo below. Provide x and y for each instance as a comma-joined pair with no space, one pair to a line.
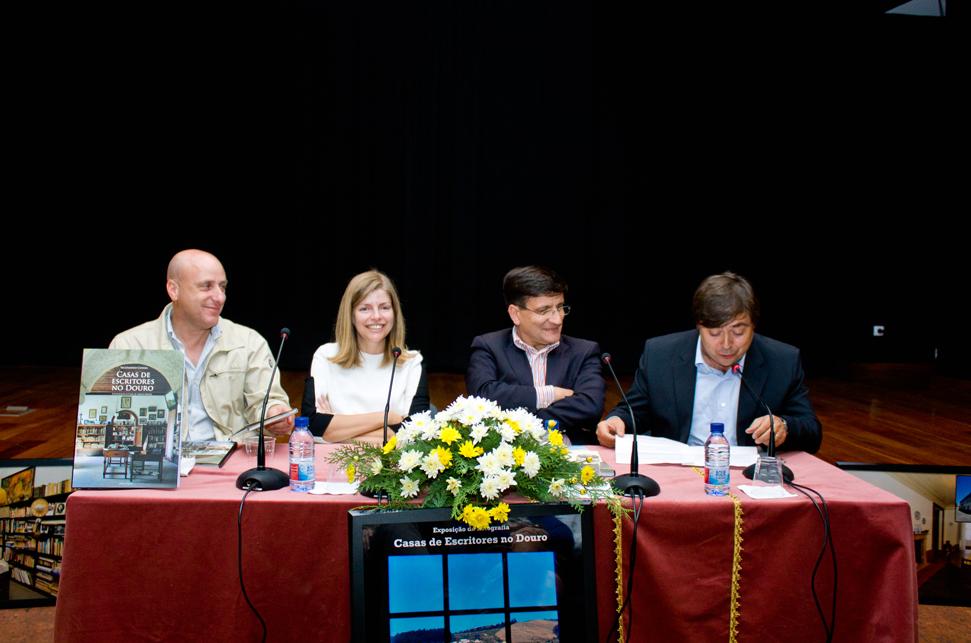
537,364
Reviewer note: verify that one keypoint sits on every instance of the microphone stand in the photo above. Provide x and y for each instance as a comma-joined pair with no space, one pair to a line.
632,484
396,353
749,471
382,495
261,478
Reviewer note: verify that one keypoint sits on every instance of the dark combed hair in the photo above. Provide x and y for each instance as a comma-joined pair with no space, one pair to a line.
721,298
524,282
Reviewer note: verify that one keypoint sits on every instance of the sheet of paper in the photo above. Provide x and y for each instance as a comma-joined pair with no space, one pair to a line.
765,492
186,463
334,488
651,450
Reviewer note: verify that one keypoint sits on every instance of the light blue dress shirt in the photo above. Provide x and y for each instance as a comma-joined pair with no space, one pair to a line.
716,400
200,425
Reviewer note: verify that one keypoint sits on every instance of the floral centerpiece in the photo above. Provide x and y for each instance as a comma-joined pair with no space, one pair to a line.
468,457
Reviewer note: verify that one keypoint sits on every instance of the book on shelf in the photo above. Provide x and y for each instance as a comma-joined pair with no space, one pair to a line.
20,575
129,420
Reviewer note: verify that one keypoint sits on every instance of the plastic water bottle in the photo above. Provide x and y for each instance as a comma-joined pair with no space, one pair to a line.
717,459
301,456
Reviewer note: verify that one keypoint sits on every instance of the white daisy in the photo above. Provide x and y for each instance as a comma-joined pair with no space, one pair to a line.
489,464
505,479
453,485
409,488
531,464
431,465
504,452
489,489
409,460
431,430
376,466
478,432
405,436
527,422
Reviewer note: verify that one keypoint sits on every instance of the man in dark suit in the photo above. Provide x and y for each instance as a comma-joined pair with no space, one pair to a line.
533,365
685,381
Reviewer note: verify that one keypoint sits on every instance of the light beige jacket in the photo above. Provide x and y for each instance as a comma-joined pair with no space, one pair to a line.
235,374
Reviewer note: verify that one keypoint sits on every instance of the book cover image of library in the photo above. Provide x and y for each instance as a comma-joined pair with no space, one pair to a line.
128,420
33,507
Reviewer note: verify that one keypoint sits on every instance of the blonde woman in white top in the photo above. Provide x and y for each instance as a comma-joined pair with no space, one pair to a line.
350,376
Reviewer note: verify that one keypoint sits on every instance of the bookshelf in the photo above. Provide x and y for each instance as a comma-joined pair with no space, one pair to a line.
153,435
121,434
90,437
33,545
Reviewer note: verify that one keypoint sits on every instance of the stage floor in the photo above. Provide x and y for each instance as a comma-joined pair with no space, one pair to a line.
882,414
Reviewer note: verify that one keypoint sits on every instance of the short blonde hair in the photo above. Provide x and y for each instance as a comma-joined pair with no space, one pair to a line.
360,286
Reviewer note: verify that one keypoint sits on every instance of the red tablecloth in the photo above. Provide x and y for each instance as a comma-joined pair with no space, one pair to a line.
161,565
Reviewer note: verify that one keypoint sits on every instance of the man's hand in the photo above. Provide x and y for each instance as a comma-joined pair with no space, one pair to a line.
560,393
759,430
608,430
283,426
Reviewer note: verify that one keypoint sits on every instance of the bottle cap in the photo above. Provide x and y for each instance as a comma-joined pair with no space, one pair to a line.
302,422
717,427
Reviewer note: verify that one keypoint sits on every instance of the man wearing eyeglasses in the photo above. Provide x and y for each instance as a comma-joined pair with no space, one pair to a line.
533,365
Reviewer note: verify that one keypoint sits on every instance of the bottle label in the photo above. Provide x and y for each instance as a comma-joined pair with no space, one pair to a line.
302,472
716,476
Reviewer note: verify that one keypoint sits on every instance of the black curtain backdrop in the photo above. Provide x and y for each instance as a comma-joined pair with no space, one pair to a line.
635,152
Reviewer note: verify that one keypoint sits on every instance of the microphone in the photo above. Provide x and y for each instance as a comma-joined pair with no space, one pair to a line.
632,484
749,471
396,353
261,478
381,495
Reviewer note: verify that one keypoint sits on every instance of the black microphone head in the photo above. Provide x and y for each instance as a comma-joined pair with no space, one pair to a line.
606,358
396,352
284,332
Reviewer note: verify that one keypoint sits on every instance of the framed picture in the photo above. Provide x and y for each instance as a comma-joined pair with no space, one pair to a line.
92,414
470,591
160,415
142,412
19,485
152,409
962,499
103,419
104,410
51,478
125,402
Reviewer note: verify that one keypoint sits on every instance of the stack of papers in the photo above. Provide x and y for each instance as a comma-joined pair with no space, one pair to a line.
651,450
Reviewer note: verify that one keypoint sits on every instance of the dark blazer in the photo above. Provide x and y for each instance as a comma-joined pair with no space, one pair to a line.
499,371
663,391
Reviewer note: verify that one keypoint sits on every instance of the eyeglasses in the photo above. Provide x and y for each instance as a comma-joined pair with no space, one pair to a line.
547,311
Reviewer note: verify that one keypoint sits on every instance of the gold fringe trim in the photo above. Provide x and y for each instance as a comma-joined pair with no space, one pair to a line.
619,562
733,614
734,611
